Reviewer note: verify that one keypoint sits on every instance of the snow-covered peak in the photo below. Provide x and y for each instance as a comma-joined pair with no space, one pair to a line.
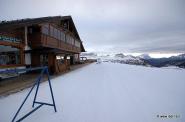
144,56
120,55
181,56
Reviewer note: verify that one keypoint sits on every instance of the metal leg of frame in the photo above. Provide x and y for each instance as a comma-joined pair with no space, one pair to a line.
38,84
23,103
51,89
29,113
45,70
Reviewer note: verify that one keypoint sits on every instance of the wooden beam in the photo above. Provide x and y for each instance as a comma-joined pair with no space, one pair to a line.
11,65
11,44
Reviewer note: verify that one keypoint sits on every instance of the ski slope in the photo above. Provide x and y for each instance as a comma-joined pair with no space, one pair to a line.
107,92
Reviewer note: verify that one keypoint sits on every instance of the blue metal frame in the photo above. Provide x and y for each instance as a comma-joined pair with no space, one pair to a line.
37,84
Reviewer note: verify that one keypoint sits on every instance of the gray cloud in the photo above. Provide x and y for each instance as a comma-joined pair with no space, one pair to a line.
113,25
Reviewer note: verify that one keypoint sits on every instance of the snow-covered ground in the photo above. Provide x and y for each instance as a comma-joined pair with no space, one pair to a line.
107,92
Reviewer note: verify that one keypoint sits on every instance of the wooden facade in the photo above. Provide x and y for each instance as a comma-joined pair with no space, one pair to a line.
51,41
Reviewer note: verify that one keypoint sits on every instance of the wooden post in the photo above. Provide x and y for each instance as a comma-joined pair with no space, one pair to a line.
27,56
52,62
22,57
35,60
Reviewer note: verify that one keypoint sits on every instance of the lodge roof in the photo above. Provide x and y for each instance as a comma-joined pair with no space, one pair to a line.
4,25
34,21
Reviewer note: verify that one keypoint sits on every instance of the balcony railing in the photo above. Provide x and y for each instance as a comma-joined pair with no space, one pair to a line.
39,39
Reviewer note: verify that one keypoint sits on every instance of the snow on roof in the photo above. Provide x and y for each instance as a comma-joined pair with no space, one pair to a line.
107,92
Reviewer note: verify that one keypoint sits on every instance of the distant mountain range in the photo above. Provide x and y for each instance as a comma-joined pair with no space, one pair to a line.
143,59
128,59
178,61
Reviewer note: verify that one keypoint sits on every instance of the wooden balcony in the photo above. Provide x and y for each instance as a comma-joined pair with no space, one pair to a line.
42,40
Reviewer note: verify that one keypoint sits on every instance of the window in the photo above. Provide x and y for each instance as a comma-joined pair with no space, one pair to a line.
45,29
55,33
51,31
77,43
68,57
58,34
9,55
44,60
62,36
60,59
68,39
73,41
65,25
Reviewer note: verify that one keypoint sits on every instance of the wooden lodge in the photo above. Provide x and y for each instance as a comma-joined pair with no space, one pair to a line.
47,41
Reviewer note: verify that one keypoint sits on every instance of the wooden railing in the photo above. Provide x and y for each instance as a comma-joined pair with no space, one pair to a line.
39,39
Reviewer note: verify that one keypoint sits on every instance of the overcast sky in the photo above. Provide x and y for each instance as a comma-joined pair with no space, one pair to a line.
139,26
